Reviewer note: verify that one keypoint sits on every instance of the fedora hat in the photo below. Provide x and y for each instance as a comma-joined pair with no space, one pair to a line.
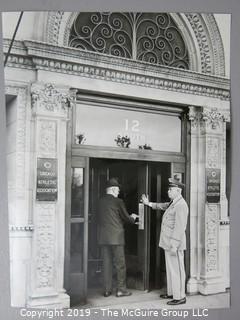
113,182
175,182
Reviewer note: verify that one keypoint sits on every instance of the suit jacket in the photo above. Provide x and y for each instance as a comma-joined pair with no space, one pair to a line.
174,223
112,215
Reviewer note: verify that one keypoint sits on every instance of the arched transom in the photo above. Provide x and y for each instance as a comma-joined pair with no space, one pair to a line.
149,37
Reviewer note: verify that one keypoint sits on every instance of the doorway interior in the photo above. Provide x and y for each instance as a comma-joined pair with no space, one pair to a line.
144,259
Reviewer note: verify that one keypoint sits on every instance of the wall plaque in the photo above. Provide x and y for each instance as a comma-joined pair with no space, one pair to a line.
47,188
213,185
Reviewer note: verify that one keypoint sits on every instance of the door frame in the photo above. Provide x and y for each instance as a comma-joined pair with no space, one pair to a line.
83,161
126,154
75,152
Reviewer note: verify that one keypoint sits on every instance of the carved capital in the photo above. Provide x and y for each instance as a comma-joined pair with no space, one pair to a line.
50,98
212,117
194,116
226,115
193,113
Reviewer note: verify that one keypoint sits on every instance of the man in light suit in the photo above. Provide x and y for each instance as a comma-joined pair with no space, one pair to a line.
173,240
112,215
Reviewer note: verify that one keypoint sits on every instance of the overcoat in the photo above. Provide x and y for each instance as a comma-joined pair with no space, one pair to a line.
174,223
112,215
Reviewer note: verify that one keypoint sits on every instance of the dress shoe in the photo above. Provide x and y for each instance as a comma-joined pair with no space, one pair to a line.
176,302
107,294
165,296
123,293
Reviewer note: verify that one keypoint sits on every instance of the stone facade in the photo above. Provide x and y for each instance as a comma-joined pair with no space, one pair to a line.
49,115
208,145
42,78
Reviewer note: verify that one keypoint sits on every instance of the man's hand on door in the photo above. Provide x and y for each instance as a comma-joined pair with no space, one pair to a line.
145,199
134,216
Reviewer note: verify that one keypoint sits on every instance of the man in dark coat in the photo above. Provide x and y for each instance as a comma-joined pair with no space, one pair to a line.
112,215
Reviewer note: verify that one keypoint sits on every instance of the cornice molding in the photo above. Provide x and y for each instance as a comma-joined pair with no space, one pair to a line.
18,57
99,66
17,61
73,55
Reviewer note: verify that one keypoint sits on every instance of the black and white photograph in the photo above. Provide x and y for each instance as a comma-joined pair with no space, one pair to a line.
118,152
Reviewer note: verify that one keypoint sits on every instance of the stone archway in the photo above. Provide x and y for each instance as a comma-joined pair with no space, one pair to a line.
200,32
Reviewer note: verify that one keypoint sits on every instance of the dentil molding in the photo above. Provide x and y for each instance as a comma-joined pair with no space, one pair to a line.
22,228
93,65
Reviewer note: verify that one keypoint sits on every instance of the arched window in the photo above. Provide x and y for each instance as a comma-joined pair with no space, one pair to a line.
151,37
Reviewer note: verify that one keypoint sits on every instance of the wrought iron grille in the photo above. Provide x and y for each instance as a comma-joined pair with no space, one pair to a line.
151,37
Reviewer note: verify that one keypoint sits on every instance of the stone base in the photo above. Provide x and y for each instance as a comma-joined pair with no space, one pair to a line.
61,301
211,286
192,286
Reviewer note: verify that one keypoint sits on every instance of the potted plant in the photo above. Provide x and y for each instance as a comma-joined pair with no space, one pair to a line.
123,141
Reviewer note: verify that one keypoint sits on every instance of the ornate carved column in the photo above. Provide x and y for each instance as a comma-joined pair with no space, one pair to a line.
49,121
17,153
208,199
192,285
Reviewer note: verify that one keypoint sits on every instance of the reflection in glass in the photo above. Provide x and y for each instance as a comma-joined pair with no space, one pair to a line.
76,260
77,192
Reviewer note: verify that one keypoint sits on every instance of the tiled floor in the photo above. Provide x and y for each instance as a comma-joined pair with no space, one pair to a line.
151,300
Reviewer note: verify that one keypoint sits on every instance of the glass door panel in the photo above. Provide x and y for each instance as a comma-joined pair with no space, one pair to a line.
133,177
77,230
76,257
77,194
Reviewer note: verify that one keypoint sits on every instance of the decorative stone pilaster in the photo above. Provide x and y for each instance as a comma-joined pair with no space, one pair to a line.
207,158
192,285
50,108
17,155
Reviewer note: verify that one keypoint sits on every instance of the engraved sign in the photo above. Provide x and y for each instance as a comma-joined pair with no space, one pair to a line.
213,185
47,188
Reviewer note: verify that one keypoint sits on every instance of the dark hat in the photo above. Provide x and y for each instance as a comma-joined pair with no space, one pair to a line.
113,182
175,182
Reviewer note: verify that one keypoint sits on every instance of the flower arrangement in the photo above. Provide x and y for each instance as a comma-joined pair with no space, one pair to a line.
80,138
145,147
123,141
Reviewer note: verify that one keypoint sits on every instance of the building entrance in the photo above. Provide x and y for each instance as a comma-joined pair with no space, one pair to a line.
144,259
